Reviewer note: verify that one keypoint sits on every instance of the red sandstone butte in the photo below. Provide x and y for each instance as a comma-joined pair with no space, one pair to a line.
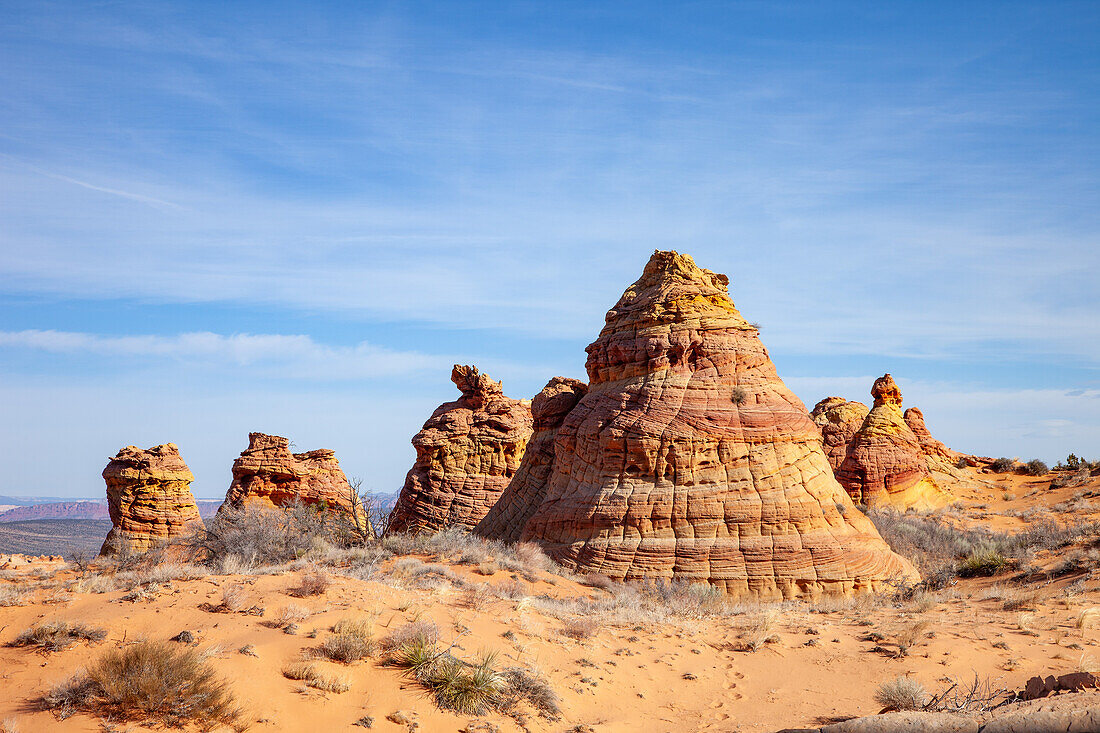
526,490
148,497
885,465
839,420
268,475
689,458
466,454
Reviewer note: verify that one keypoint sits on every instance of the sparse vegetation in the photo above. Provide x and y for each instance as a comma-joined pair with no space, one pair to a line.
902,693
982,560
313,583
53,636
314,677
351,641
1035,467
469,689
151,681
12,596
1002,465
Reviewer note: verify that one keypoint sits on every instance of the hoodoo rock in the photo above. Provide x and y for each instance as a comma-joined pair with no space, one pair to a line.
886,465
689,458
148,497
839,420
525,492
268,475
466,454
929,446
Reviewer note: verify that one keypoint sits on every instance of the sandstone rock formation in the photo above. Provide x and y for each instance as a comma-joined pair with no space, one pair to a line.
148,497
689,458
885,465
466,454
929,446
526,490
268,475
839,420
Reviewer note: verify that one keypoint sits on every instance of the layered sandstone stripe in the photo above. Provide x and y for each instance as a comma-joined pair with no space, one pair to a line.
839,420
526,490
689,458
466,454
268,475
929,446
885,465
148,497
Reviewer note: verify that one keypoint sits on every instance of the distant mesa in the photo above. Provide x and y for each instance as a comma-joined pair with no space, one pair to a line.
687,457
148,497
268,475
526,490
886,464
466,454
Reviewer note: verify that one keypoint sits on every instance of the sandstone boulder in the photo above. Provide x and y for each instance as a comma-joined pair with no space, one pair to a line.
148,497
839,420
689,458
466,454
268,475
886,465
526,491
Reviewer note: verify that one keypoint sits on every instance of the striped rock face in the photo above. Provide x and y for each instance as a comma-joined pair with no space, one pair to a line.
689,458
886,465
525,492
149,497
268,475
466,454
839,420
931,447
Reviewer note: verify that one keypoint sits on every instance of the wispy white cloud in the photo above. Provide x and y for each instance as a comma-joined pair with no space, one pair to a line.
285,355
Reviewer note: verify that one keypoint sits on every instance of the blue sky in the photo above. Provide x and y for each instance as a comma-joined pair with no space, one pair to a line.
293,218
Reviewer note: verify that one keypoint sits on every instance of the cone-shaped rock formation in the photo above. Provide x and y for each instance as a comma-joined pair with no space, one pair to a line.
268,475
526,490
466,454
149,497
885,465
689,458
839,420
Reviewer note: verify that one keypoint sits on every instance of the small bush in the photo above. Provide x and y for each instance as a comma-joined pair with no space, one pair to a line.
350,642
12,596
982,561
313,583
425,631
253,536
1020,600
738,396
53,636
580,628
151,681
521,685
902,693
1035,467
1002,465
290,614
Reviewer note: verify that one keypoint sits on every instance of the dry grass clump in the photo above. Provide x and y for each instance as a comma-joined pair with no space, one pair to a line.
982,560
151,681
530,687
233,597
901,693
760,631
53,636
1021,599
910,635
313,583
417,631
9,725
580,628
288,615
314,677
487,568
351,641
1088,618
11,595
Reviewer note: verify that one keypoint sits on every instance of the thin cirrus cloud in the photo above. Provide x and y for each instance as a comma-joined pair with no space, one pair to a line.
278,355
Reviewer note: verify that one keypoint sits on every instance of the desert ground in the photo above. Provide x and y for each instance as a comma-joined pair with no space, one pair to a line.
613,657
